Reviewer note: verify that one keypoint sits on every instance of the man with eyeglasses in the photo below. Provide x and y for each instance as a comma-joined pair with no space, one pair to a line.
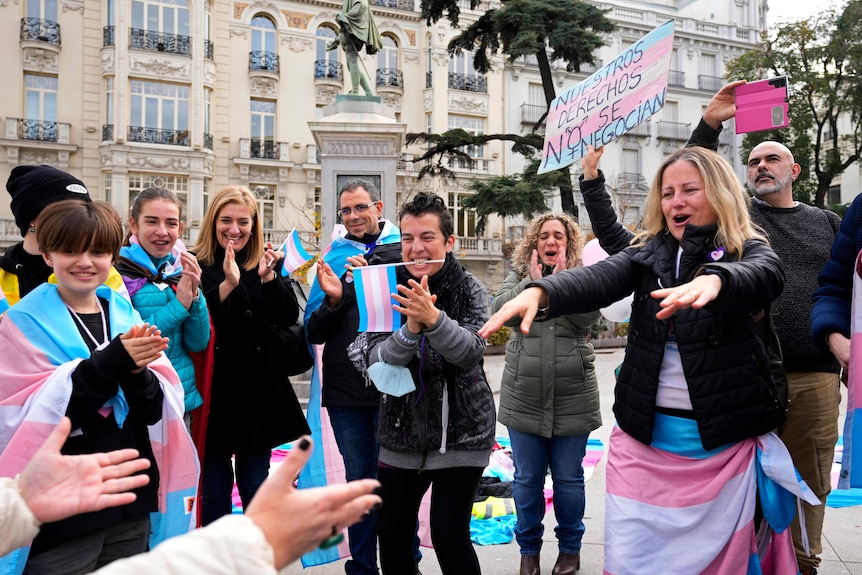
349,396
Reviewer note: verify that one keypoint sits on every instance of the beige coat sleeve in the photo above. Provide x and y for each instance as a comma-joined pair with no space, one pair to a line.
233,545
18,526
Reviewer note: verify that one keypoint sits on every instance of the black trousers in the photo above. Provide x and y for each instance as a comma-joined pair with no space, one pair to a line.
452,495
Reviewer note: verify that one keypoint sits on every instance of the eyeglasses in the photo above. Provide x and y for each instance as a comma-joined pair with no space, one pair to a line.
360,209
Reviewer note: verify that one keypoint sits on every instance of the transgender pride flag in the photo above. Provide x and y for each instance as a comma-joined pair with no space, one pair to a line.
374,284
294,254
852,477
4,303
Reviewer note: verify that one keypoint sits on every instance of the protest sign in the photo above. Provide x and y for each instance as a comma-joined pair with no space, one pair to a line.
612,101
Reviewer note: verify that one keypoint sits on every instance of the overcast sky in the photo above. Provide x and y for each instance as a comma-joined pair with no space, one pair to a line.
786,10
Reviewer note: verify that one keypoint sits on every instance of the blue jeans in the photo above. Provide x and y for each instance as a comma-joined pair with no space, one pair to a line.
217,479
355,430
532,454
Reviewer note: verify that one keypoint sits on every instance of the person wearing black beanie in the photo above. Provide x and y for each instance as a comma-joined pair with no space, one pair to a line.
32,188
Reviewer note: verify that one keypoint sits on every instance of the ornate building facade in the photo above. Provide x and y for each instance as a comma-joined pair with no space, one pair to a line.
193,95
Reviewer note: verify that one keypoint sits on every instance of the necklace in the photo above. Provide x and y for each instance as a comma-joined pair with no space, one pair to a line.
99,345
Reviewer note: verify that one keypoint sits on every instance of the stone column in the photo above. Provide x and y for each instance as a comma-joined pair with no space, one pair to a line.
357,137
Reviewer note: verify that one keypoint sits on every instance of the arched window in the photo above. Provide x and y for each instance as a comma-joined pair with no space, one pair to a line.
326,61
263,51
388,71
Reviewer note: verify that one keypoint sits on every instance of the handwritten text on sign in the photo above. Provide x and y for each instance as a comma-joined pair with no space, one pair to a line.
609,103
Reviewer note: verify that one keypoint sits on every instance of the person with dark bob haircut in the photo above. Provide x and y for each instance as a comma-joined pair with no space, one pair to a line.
440,434
79,349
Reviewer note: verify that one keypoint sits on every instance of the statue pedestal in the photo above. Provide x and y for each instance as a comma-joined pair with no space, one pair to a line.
357,138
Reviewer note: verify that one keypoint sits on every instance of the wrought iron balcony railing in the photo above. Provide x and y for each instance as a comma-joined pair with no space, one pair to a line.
40,130
260,60
709,83
429,79
389,78
208,49
328,70
208,141
108,133
676,78
108,36
467,82
397,4
158,136
673,131
41,30
264,149
158,42
531,113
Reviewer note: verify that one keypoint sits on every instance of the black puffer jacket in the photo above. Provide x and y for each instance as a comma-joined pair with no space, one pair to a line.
726,365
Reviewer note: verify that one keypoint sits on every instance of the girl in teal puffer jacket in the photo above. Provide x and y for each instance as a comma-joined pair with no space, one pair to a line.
163,280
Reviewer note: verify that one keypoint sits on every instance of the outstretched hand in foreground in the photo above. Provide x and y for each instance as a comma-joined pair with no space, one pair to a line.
56,486
295,521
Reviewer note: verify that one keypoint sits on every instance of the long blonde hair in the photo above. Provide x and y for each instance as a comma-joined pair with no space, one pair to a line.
524,251
207,244
724,193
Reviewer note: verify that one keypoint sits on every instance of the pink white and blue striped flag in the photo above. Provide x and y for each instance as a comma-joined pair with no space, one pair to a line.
294,254
4,303
374,284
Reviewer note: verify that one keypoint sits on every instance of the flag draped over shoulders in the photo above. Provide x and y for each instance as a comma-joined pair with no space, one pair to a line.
36,387
325,466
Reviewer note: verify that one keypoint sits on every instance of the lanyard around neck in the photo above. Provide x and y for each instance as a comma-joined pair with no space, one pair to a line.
81,323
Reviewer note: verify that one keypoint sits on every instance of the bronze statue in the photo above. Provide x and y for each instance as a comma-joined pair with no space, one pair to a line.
357,29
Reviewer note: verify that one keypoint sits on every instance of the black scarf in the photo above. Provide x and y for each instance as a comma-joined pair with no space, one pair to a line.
453,293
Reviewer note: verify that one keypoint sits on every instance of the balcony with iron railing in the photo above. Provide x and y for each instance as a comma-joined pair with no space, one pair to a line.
108,133
429,79
40,130
532,113
406,5
328,70
673,131
709,83
208,49
641,130
40,30
468,82
261,61
158,42
676,78
108,36
208,141
258,149
390,78
159,136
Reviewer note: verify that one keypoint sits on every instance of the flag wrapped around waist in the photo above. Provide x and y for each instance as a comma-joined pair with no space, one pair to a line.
295,254
374,284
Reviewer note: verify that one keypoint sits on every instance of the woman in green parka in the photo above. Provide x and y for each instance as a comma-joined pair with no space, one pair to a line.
549,399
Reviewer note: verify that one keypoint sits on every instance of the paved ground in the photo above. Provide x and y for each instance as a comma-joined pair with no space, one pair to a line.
842,531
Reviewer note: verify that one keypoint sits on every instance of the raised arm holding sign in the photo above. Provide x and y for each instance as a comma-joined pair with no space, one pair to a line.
611,102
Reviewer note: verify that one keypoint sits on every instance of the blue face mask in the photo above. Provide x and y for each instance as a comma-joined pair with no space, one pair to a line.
393,380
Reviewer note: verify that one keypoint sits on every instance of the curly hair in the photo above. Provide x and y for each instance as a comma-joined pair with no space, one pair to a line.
724,194
574,242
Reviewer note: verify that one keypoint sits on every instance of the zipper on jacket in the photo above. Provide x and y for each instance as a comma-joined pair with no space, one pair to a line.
424,461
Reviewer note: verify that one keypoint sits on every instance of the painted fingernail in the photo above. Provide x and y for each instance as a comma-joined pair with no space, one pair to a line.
377,505
332,541
304,444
